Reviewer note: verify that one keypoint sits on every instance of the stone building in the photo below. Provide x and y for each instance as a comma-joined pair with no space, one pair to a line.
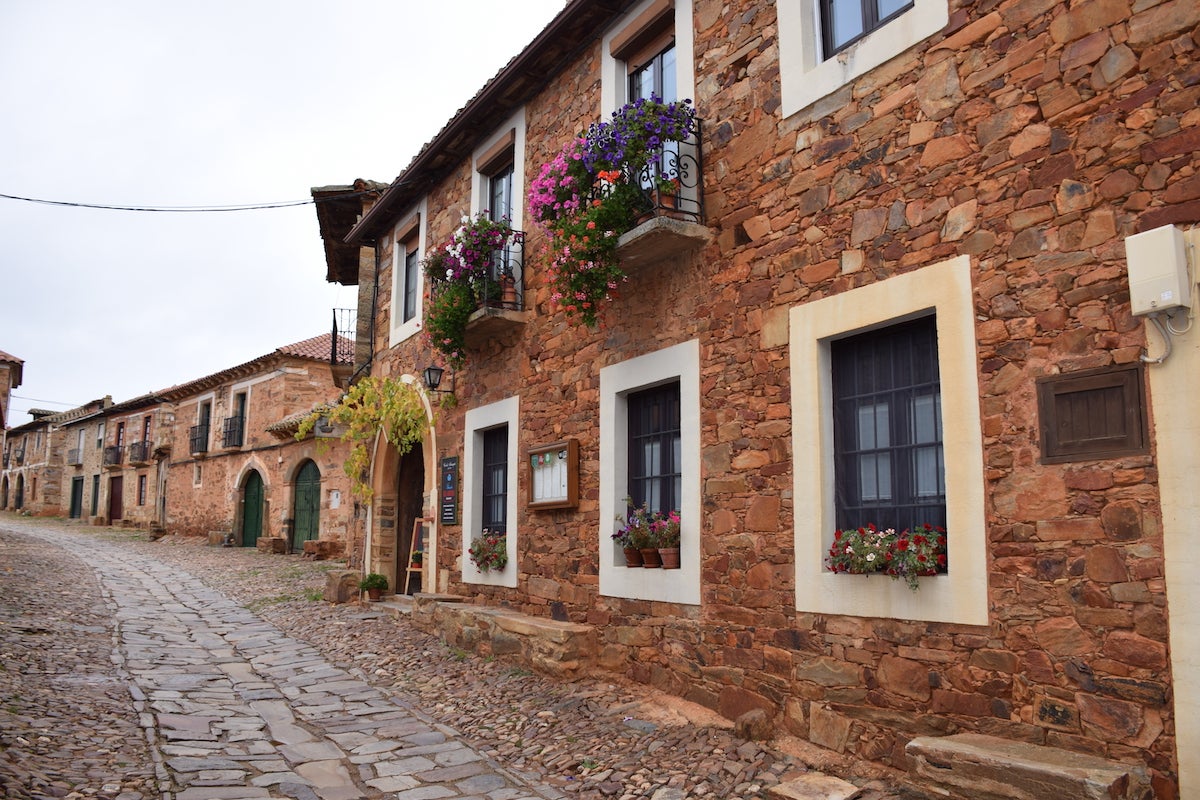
233,466
1013,184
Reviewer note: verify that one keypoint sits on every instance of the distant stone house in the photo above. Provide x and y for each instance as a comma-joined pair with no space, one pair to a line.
44,461
234,466
133,439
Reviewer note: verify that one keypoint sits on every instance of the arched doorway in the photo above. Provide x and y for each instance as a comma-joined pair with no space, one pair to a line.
410,492
19,501
4,493
252,508
307,509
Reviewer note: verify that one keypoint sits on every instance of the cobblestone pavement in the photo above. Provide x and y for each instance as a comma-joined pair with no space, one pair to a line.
171,670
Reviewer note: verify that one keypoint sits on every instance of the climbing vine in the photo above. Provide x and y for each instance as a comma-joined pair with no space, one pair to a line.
372,405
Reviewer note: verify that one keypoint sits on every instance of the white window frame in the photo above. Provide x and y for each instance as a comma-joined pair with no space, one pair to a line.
399,328
614,74
806,76
481,186
680,363
503,412
960,596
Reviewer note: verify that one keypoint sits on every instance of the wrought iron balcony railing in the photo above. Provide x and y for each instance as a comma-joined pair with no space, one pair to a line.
113,456
19,456
198,439
74,457
139,452
234,432
7,458
345,334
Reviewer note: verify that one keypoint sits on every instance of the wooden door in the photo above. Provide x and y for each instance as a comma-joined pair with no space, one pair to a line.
116,500
307,511
252,509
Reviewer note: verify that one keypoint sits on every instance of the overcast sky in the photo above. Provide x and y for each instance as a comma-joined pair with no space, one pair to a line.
202,104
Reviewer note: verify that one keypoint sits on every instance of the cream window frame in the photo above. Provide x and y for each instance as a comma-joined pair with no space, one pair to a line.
960,596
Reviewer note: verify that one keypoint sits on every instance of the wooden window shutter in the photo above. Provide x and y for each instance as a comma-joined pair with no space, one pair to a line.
1092,414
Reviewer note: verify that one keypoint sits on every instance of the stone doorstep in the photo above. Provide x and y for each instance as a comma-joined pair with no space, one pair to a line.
981,767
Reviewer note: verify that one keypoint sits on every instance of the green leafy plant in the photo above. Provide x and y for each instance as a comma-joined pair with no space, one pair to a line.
489,551
373,580
451,304
371,406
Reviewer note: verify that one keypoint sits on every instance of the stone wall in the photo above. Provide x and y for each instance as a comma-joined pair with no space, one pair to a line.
1029,135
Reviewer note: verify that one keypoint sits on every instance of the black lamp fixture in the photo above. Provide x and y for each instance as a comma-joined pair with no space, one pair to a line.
433,379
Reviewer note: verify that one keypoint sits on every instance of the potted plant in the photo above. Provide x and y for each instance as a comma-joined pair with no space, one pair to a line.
667,531
489,551
909,554
373,584
633,534
417,559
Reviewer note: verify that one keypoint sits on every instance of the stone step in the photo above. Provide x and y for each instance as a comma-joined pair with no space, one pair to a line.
978,767
814,786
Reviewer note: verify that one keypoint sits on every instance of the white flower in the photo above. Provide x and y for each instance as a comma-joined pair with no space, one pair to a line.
870,556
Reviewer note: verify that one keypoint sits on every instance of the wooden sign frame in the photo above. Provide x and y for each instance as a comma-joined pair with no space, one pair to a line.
554,475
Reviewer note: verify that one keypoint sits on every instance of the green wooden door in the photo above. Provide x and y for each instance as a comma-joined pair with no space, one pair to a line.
76,497
252,509
307,512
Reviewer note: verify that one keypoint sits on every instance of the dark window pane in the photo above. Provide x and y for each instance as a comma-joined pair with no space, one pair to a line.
495,479
887,412
655,475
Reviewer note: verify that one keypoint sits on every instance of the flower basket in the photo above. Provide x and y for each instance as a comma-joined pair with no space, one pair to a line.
910,554
489,551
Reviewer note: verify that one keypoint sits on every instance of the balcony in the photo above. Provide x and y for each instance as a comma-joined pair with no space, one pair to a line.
140,453
198,440
233,433
19,456
114,456
673,191
7,458
75,457
501,295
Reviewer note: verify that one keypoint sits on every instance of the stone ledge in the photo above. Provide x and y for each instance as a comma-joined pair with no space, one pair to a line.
559,648
980,767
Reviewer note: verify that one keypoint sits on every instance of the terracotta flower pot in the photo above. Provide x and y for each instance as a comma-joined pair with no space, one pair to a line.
669,556
633,557
650,559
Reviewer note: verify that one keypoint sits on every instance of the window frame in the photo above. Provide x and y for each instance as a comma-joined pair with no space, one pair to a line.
412,224
806,75
677,363
666,473
476,422
615,70
960,596
504,150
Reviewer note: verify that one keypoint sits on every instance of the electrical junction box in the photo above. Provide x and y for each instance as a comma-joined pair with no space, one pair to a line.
1158,271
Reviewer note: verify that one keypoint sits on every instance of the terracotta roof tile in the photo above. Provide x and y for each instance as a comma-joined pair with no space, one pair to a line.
318,348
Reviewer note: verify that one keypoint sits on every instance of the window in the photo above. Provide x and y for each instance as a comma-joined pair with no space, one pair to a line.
887,428
1092,414
844,22
146,428
120,442
99,438
654,448
490,484
96,494
650,452
235,424
898,434
495,479
407,280
640,55
412,278
198,435
827,44
141,490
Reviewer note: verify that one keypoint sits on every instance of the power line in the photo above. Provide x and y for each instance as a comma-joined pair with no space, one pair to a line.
51,402
189,209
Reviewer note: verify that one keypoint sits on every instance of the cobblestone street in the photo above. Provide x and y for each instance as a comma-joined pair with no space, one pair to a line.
132,669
